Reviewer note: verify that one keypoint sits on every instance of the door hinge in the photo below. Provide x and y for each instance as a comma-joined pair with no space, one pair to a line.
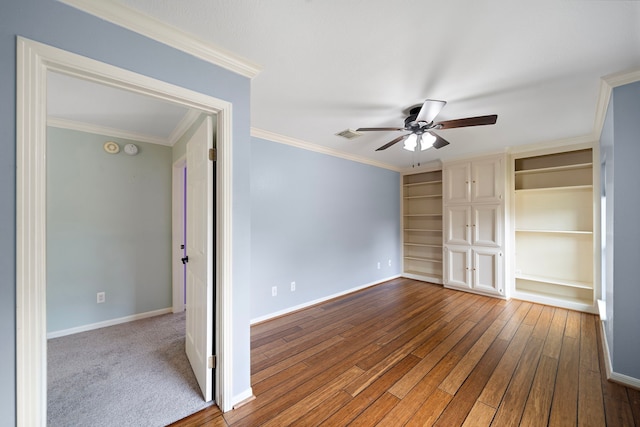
212,362
213,154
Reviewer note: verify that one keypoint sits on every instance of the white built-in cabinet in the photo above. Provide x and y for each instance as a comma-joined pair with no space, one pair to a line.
422,226
554,244
473,229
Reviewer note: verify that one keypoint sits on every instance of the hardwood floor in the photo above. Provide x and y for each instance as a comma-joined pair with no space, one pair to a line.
413,353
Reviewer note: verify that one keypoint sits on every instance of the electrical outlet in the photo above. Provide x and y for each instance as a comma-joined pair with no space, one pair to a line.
389,263
378,265
100,298
293,286
274,291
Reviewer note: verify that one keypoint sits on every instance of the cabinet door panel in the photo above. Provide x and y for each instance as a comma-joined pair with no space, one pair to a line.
456,183
457,224
487,268
487,225
457,270
486,180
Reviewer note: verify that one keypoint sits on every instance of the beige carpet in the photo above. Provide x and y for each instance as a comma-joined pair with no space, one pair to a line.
133,374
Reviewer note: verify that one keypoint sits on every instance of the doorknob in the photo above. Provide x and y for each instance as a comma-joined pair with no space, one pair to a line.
185,259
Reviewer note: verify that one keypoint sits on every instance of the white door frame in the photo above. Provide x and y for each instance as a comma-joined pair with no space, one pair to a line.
34,60
177,233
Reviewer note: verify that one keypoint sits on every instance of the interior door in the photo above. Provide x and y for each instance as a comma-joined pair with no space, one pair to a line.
199,316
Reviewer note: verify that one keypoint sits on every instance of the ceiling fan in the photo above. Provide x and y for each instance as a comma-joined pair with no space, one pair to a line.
420,125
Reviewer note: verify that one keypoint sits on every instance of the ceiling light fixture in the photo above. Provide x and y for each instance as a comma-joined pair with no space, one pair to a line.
427,141
411,142
423,142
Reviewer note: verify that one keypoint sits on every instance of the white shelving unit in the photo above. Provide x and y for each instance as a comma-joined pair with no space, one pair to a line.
422,226
554,229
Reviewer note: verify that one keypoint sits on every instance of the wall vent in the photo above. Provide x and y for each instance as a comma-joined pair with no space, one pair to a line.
349,134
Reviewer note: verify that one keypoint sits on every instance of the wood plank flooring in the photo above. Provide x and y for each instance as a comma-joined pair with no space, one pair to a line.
412,353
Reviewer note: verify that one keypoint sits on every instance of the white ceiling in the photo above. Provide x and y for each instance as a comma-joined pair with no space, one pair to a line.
331,65
84,105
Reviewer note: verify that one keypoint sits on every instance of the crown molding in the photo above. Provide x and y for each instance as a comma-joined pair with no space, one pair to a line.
187,121
274,137
607,83
564,144
140,23
106,131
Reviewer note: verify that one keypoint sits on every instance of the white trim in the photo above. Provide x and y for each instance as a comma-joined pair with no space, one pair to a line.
319,300
104,130
429,279
177,233
106,323
624,380
555,146
305,145
554,302
607,84
224,266
622,78
621,379
602,309
152,28
187,121
243,398
34,60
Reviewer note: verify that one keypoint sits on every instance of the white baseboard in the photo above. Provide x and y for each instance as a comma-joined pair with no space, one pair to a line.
106,323
319,300
621,379
243,398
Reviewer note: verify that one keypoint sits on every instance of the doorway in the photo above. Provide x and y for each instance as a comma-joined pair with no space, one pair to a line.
34,61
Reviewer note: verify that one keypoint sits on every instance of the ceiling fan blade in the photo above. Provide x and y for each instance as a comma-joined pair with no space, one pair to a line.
469,121
430,109
439,142
376,129
390,143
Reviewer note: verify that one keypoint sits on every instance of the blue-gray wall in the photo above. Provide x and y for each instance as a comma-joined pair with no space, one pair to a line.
321,221
108,229
621,141
56,24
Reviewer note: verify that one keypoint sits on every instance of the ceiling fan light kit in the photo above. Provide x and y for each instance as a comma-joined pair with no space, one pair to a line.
420,124
413,142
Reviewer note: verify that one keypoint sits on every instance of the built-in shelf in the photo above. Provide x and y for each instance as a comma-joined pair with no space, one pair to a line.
554,231
554,223
571,302
419,258
559,188
555,281
431,196
414,184
422,245
555,168
422,225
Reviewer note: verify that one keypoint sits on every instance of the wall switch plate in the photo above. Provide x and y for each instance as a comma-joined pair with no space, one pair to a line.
100,298
274,291
293,286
